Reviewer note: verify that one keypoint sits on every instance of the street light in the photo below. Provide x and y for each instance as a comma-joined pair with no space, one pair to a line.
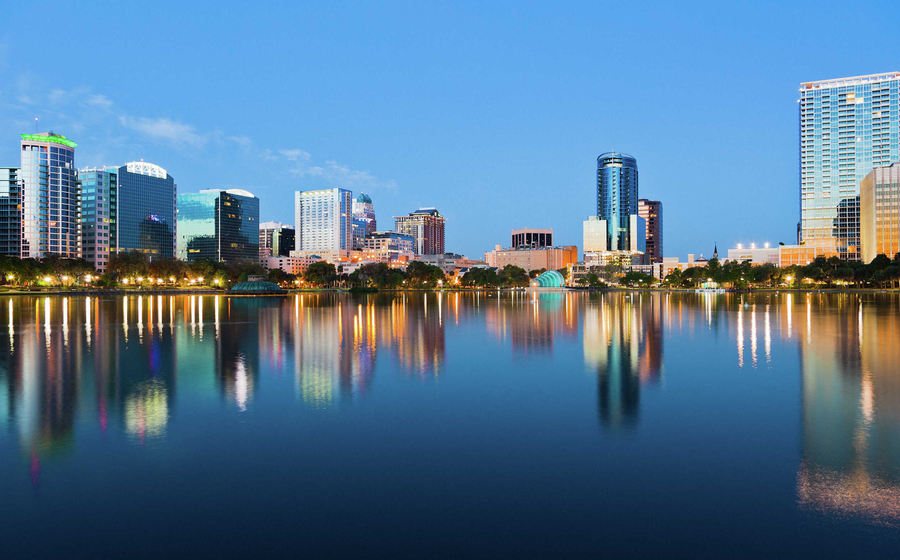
216,280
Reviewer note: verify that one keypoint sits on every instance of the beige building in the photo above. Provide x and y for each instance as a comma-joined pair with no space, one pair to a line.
550,258
879,212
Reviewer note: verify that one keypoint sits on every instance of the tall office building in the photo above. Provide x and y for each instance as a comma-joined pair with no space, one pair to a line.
879,212
222,225
324,221
531,237
98,227
275,240
652,212
847,127
10,212
145,214
51,197
426,227
364,210
617,197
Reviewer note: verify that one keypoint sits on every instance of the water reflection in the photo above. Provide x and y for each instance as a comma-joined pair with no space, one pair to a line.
122,364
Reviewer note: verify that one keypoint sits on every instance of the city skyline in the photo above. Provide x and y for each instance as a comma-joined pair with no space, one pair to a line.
516,110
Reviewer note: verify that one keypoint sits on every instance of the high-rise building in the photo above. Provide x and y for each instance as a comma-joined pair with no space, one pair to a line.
617,197
98,214
51,197
388,246
847,127
879,212
222,225
10,212
652,212
146,210
364,210
324,221
532,237
426,226
275,240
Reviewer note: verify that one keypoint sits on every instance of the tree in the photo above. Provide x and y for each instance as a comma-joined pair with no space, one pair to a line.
634,278
480,277
320,273
420,273
514,276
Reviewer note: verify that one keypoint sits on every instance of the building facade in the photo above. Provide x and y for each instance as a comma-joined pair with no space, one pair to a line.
879,212
10,212
533,258
51,197
364,215
617,197
324,221
222,225
388,246
652,213
275,240
847,127
532,237
426,227
146,210
98,211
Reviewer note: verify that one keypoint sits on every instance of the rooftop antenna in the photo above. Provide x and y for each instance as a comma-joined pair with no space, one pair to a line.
35,125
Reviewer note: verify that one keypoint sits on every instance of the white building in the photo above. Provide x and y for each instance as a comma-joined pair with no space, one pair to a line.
324,221
754,254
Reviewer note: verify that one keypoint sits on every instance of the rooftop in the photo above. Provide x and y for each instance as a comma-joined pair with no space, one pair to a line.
853,80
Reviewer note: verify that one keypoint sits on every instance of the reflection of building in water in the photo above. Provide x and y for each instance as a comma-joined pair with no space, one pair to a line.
623,344
334,346
849,351
237,343
531,320
416,332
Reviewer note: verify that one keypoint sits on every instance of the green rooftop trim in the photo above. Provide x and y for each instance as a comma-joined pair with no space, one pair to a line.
54,139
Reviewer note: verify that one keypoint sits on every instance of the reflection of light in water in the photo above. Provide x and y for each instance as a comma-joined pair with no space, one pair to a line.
140,318
147,410
768,337
159,312
65,321
740,337
808,320
125,316
753,334
790,322
12,330
240,383
47,320
216,316
87,320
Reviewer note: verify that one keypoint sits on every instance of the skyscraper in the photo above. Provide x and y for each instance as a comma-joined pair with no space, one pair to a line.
222,225
617,197
324,221
275,240
847,127
51,197
10,212
145,212
426,227
652,212
364,210
879,212
98,228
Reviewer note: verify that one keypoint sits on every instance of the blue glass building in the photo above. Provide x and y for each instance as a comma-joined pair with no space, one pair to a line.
222,225
617,197
145,213
51,197
10,212
848,126
98,211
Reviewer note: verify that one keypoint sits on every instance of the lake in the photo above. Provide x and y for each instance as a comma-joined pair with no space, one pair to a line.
416,425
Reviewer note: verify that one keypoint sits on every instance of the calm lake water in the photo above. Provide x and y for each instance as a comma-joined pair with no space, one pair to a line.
451,425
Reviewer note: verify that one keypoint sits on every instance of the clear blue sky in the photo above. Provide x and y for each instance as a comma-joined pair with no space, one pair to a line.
492,112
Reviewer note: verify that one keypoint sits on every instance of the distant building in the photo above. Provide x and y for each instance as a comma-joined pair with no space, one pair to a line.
652,213
848,126
388,246
549,258
324,221
10,212
879,212
426,227
291,265
275,240
222,225
363,219
145,210
756,255
450,263
99,188
617,197
51,197
532,237
596,242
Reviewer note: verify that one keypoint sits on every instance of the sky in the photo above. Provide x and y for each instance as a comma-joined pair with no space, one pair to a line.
494,113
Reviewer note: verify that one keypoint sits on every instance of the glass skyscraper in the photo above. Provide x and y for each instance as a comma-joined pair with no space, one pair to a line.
10,212
146,210
51,197
847,127
324,221
617,197
222,225
98,205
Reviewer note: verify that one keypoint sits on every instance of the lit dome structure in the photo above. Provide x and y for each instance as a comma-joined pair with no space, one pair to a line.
364,198
257,285
549,279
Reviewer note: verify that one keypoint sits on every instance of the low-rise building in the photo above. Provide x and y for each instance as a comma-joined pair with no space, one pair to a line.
291,265
388,246
450,263
533,258
756,255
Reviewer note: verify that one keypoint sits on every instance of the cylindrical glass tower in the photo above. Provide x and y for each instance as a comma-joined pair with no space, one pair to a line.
617,196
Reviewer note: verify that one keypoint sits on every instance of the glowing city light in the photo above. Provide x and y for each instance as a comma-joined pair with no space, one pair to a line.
47,279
